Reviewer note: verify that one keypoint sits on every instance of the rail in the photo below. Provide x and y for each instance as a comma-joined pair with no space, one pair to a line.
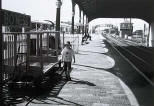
143,67
129,47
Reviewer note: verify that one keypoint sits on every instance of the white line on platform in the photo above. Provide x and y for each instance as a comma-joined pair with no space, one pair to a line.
130,95
141,73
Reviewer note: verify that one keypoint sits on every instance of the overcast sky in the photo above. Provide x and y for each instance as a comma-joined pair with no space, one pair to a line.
46,10
39,9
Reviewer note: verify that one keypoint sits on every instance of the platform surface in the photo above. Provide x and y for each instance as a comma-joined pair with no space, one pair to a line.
91,84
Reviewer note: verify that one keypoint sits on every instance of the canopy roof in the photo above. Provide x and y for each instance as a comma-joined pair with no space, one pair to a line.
143,9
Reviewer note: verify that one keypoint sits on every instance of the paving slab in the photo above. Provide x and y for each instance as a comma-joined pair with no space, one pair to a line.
91,84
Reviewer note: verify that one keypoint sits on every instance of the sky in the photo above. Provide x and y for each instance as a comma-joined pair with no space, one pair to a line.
38,9
41,10
137,23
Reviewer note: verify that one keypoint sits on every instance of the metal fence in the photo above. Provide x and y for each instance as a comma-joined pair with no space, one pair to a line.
33,50
28,50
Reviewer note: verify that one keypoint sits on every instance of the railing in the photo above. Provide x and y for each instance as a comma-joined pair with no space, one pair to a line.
27,50
32,49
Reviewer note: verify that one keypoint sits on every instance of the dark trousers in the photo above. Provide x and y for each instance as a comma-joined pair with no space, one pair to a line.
67,68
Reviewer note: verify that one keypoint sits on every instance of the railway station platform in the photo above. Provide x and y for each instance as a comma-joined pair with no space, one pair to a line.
91,84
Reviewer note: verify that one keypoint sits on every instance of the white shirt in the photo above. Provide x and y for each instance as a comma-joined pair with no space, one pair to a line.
67,55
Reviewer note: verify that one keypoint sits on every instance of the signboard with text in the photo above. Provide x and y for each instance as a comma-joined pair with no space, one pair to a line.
14,19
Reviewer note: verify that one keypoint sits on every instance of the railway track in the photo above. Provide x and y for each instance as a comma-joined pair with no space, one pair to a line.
139,56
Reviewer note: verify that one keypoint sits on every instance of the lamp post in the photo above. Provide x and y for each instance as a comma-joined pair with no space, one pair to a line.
57,37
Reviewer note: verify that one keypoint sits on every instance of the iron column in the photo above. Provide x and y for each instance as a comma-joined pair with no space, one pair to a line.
57,37
87,24
148,35
79,20
83,25
73,14
86,29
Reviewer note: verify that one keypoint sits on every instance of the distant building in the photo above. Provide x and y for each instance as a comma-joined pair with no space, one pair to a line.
126,28
107,29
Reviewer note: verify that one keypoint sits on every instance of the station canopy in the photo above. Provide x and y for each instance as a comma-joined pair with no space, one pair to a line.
142,9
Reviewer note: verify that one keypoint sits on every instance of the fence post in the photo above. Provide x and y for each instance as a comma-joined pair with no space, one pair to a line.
56,44
9,43
37,44
28,52
12,50
47,44
41,56
63,39
15,49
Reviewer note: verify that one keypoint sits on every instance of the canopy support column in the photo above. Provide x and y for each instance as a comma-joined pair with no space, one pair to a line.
57,37
152,34
85,29
73,14
87,25
79,21
83,25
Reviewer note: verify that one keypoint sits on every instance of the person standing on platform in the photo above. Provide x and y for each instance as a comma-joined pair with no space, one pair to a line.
67,55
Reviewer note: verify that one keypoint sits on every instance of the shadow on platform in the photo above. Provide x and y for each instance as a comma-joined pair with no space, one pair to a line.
92,52
50,88
77,81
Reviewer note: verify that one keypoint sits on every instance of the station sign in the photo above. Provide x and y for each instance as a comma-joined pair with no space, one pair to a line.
14,19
